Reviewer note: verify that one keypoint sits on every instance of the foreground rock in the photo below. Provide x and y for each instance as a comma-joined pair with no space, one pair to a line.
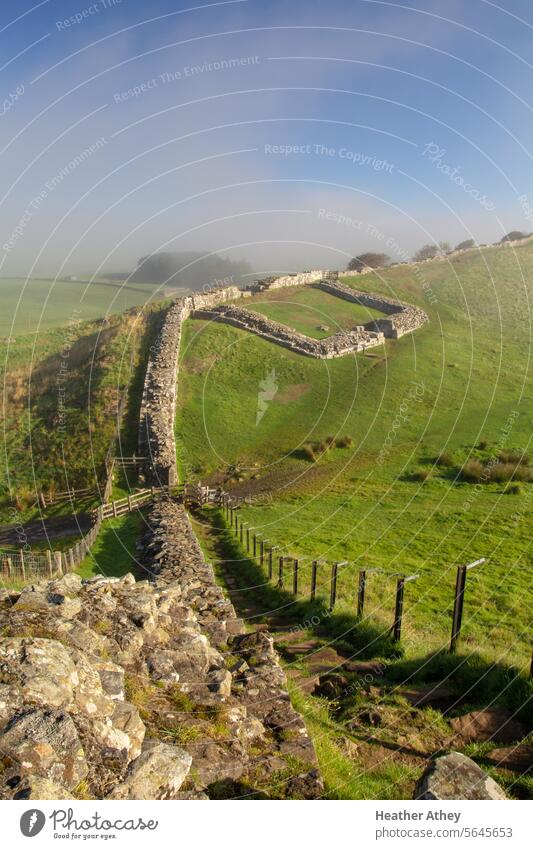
455,776
124,689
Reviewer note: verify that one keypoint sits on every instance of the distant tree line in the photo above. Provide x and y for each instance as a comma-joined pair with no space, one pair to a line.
380,260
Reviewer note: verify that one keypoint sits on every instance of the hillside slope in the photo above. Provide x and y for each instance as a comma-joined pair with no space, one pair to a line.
461,385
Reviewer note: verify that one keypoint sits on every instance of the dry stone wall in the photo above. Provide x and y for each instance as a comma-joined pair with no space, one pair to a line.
337,345
403,318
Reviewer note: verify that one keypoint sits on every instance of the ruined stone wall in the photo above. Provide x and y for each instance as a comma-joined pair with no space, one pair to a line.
337,345
303,278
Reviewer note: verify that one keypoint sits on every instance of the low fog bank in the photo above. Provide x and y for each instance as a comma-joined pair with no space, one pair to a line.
191,270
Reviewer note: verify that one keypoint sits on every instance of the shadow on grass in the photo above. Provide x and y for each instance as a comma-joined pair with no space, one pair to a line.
472,679
262,601
113,553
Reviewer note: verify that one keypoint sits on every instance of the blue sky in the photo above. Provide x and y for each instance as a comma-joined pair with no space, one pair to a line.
292,134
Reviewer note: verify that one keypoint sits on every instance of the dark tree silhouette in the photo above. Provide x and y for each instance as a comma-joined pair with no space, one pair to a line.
368,260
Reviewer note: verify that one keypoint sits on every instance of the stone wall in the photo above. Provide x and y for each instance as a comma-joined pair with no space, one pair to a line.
403,318
145,690
337,345
303,278
158,406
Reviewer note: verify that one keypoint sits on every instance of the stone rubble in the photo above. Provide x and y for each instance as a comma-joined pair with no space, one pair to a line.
124,689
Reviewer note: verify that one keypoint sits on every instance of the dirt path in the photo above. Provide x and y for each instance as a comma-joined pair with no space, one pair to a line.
44,529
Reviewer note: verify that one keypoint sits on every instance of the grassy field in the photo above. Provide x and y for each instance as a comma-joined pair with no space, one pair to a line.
307,310
460,385
30,306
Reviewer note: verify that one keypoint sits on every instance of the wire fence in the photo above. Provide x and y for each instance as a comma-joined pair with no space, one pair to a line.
309,578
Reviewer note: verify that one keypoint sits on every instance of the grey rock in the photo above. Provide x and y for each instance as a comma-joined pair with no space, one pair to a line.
455,776
45,743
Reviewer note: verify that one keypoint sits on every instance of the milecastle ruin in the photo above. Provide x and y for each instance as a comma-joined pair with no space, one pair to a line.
156,435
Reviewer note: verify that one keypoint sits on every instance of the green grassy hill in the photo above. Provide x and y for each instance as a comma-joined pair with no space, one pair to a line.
60,394
461,385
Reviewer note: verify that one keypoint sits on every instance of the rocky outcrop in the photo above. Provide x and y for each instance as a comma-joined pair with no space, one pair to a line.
123,689
455,776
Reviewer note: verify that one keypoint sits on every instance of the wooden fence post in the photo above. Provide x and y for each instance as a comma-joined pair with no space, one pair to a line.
398,611
460,584
281,577
241,532
361,593
57,560
49,562
254,544
314,569
114,503
247,538
333,586
271,562
295,577
261,552
22,565
9,565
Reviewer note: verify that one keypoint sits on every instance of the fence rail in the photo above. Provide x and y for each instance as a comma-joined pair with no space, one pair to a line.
48,499
23,565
